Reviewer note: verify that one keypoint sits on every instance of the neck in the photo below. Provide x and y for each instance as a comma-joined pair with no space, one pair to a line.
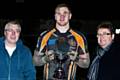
62,29
9,44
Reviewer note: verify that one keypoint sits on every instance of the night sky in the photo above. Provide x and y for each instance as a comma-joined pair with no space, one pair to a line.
81,9
85,12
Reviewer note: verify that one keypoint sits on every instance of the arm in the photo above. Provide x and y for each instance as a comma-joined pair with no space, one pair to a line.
40,59
29,68
41,54
82,60
81,55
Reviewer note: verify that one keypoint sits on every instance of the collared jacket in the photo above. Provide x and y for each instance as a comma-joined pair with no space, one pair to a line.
109,64
17,67
109,68
47,41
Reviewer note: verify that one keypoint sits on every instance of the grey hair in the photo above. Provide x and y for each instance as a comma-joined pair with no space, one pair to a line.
14,23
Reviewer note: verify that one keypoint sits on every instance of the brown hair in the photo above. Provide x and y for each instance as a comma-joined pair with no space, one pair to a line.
63,5
108,25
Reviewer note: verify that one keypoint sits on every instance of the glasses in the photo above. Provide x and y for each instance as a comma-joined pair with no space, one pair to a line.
11,30
104,34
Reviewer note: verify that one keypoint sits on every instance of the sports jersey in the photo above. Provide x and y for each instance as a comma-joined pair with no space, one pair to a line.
54,40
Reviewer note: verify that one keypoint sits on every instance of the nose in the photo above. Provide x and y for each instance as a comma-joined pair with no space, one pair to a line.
13,32
62,17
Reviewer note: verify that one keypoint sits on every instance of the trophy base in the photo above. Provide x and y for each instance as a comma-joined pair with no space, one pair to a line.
58,79
59,74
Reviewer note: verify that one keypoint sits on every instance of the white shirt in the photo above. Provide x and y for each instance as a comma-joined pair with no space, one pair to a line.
62,29
10,50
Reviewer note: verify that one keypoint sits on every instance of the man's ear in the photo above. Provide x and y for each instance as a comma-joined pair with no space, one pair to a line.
4,32
70,16
55,16
113,36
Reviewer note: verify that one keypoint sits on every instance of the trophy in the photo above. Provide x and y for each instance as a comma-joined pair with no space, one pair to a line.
62,47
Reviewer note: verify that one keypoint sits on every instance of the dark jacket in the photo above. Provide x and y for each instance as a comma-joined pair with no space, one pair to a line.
109,65
17,67
109,68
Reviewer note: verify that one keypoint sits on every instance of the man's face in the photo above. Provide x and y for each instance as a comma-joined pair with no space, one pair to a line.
104,37
62,16
12,34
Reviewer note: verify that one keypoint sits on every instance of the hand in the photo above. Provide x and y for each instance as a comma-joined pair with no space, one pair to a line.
84,60
37,53
50,54
84,56
72,55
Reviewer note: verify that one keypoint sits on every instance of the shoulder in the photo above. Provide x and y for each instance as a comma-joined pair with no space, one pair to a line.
22,47
78,33
25,51
2,42
116,45
1,39
43,33
46,32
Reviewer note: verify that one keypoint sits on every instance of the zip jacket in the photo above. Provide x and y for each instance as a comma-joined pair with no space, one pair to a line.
17,67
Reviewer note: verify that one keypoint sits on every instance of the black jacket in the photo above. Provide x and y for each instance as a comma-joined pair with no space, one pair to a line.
109,65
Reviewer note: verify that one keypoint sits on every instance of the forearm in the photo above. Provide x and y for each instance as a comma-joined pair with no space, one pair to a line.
38,59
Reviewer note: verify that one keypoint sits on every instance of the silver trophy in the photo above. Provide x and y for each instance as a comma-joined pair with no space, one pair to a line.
62,47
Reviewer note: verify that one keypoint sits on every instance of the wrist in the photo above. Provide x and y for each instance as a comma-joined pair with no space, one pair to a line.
45,59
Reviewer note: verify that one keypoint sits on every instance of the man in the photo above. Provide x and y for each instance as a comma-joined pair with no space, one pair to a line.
15,57
105,64
61,49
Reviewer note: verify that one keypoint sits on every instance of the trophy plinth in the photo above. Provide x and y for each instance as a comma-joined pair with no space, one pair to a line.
59,73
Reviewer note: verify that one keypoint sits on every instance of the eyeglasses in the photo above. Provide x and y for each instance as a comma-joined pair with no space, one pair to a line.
11,30
104,34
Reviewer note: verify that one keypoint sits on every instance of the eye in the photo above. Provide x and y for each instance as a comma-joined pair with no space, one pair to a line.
104,34
11,30
66,12
57,13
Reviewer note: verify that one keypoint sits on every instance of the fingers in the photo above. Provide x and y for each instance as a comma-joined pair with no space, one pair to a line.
50,54
51,57
36,52
72,55
84,56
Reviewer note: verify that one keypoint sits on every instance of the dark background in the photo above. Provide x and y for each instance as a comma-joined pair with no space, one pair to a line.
36,16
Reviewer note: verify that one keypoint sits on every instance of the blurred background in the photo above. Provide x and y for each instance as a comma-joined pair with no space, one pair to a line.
37,16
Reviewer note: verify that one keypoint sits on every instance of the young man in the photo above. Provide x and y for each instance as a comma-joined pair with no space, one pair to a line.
15,57
61,49
105,64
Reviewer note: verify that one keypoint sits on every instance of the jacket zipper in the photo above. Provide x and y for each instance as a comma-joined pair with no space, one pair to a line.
9,69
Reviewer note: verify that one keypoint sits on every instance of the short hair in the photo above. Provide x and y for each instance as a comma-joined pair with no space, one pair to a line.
107,25
63,5
14,22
